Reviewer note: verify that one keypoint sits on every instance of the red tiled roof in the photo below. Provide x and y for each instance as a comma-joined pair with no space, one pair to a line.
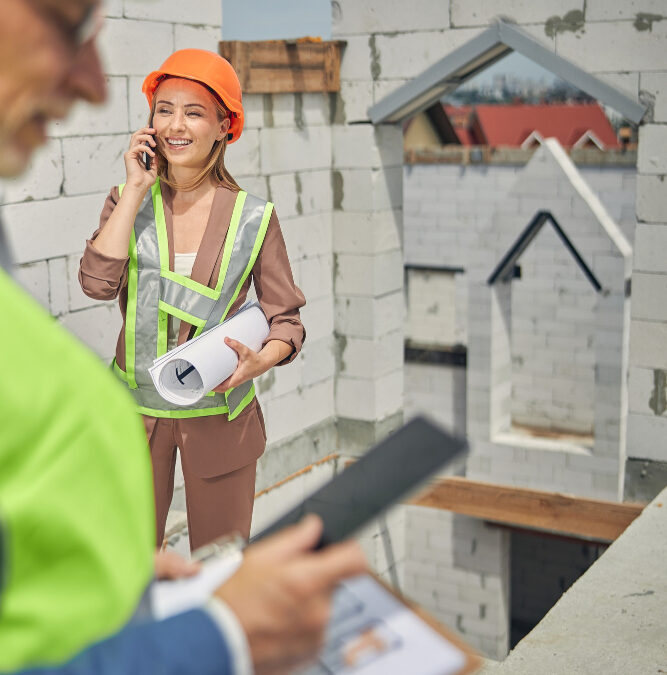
510,125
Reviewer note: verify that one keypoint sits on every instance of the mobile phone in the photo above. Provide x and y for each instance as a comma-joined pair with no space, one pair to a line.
147,157
381,477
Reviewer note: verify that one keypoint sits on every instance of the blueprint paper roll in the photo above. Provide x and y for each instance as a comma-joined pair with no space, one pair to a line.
187,373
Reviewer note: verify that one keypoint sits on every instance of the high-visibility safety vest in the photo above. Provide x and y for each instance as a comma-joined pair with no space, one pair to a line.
154,292
77,525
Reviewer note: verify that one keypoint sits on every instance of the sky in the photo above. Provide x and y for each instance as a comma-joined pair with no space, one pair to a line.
275,19
516,65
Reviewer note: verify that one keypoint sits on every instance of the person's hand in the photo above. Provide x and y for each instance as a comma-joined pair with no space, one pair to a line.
137,176
170,565
281,594
251,364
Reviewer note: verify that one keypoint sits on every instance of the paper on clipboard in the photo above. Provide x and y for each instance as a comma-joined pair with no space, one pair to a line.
373,632
187,373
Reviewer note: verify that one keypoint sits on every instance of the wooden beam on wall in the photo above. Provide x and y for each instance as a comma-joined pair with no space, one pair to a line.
549,511
285,66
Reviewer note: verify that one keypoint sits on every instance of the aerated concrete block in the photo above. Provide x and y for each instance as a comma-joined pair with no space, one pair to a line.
197,37
374,232
652,149
362,191
369,399
295,411
199,12
53,227
242,157
283,150
646,437
651,199
602,10
368,317
103,152
645,289
318,317
369,358
404,55
613,46
97,327
381,16
365,146
109,118
353,101
655,85
42,180
34,278
364,275
482,12
355,63
647,344
123,44
59,286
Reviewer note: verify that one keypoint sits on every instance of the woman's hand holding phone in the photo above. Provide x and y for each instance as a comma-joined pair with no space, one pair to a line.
138,175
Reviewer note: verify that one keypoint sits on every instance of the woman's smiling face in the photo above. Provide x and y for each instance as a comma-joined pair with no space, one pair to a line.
186,122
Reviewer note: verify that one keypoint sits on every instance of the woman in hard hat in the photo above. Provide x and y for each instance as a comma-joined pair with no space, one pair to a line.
196,242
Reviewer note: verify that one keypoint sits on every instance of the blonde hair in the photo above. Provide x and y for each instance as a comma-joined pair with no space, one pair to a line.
215,166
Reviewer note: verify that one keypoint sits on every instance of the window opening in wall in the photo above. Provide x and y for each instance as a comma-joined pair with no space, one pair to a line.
553,329
542,568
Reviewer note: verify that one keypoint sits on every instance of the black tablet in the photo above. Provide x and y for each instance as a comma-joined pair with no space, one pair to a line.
384,475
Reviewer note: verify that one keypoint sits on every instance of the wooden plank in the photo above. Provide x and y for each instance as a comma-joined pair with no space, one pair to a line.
285,66
549,511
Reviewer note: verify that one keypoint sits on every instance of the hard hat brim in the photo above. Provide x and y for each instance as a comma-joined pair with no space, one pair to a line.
152,81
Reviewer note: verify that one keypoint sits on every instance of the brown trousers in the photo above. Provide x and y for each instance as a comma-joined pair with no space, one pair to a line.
216,504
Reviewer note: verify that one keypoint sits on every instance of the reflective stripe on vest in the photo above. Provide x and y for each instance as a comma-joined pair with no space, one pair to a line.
154,292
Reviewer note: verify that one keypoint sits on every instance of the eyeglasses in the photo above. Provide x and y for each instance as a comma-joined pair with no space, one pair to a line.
90,26
76,35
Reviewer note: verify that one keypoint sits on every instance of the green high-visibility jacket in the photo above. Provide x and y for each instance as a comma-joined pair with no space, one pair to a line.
76,505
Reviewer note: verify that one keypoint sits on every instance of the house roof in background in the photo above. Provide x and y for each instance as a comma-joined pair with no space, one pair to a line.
511,125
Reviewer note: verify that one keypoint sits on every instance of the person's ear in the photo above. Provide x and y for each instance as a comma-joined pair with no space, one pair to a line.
224,128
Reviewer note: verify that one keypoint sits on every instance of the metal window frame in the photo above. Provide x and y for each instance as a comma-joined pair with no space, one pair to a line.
496,42
504,271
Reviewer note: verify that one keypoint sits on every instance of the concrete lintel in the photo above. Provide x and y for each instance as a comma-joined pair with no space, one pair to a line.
355,437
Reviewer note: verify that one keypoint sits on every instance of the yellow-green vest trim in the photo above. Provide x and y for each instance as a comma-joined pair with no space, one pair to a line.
154,292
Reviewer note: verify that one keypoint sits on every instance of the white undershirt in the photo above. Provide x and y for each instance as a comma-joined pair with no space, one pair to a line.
183,264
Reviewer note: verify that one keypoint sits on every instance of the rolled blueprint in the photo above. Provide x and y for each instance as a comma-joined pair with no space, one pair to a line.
187,373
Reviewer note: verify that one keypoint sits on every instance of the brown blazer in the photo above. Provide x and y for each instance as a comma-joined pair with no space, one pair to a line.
104,278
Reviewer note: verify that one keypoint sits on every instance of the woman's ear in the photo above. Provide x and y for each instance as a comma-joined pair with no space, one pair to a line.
224,128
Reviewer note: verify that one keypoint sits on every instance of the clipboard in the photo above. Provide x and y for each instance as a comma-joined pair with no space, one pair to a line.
384,475
375,631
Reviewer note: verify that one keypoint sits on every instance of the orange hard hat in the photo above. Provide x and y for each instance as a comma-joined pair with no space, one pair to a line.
208,69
